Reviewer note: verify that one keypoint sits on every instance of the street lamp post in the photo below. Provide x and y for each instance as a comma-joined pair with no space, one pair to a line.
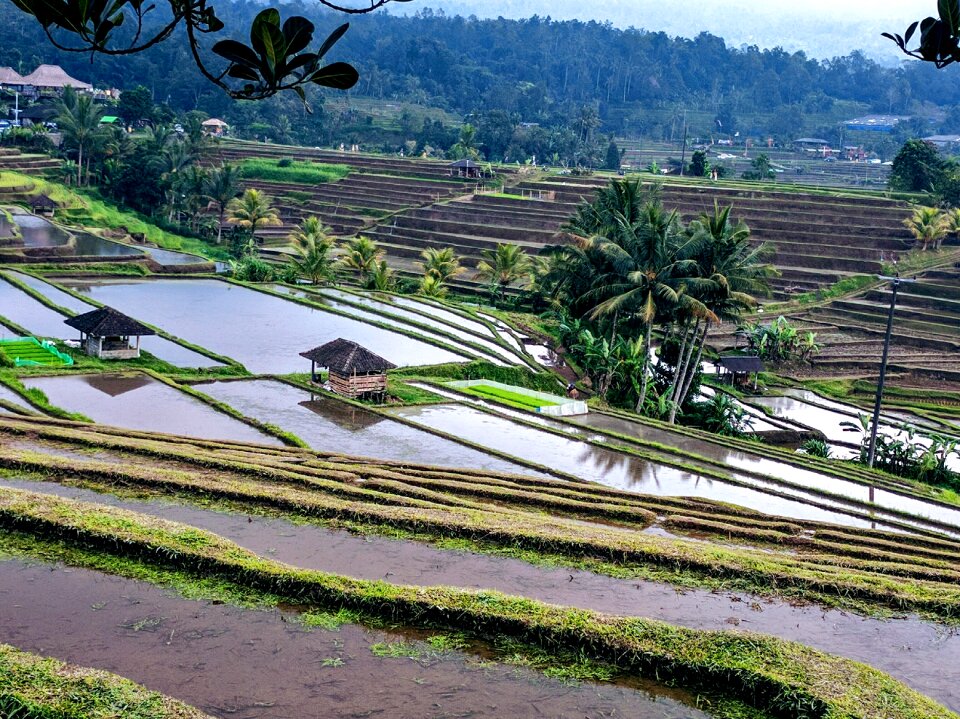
874,425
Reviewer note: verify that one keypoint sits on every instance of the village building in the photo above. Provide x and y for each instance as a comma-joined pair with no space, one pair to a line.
467,169
49,80
354,371
106,333
215,127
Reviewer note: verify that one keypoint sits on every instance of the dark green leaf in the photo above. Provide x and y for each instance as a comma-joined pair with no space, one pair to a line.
332,39
242,72
950,14
338,75
909,33
298,32
236,52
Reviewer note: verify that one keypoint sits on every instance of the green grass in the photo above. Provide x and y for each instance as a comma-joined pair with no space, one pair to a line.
297,172
514,399
34,687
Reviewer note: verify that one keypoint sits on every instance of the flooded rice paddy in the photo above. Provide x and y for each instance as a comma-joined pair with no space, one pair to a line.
34,314
908,648
140,402
333,426
603,465
264,333
265,665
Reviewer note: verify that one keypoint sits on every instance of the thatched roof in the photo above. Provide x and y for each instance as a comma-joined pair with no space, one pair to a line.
464,165
107,322
9,76
742,364
214,122
346,357
43,201
54,76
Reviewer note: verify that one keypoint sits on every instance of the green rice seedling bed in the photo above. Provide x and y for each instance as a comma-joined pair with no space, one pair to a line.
515,399
296,172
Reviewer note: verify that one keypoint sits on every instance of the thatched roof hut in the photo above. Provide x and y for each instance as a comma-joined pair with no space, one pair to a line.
10,78
106,333
465,168
738,368
54,77
355,371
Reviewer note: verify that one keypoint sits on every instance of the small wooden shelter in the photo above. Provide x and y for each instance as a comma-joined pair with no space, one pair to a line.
737,369
105,333
43,205
354,370
465,168
215,126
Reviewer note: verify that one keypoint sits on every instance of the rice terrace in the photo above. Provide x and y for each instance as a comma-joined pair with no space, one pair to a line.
485,367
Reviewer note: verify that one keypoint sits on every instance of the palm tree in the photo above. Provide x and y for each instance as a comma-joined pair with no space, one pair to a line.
79,121
313,245
223,184
503,266
382,278
362,255
430,286
441,264
928,225
731,272
252,210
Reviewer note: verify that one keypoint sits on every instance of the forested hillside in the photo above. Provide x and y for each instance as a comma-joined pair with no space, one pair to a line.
581,78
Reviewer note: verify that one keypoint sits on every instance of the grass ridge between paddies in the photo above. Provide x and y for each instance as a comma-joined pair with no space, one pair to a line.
782,678
34,687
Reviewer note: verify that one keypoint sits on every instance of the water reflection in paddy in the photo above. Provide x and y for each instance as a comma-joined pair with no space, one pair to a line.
264,333
142,403
333,426
599,464
166,350
262,665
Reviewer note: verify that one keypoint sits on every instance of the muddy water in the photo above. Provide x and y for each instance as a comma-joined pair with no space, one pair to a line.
257,665
158,346
142,403
329,425
908,648
25,311
264,333
13,398
599,464
38,232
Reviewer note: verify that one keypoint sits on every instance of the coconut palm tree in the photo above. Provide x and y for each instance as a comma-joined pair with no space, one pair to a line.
431,286
252,210
313,246
929,226
503,266
441,264
79,122
382,278
223,184
362,256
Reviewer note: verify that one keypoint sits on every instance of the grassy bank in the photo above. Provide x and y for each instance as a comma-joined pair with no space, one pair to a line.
299,172
33,687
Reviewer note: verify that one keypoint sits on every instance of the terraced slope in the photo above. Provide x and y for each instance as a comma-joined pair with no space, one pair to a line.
29,164
926,336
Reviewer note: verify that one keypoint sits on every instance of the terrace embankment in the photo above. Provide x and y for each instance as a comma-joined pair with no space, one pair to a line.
769,674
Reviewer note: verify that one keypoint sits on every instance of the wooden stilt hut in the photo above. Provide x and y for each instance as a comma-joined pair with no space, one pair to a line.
106,333
354,370
737,370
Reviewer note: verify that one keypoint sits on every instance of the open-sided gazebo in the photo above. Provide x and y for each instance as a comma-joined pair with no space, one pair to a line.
737,369
354,370
465,168
105,333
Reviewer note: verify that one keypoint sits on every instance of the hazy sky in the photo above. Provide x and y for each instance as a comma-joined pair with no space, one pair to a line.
822,28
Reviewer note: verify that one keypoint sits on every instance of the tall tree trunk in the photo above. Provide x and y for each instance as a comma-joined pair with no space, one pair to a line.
646,367
223,210
681,378
79,164
608,374
679,370
696,364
